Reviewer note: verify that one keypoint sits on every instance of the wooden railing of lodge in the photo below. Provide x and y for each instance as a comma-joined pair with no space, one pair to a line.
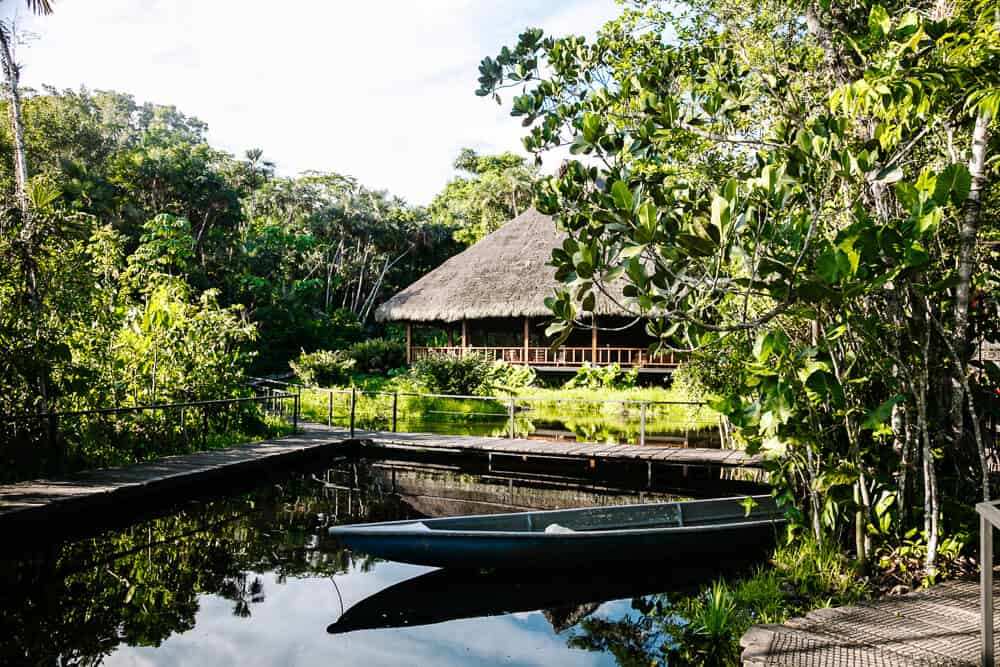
564,356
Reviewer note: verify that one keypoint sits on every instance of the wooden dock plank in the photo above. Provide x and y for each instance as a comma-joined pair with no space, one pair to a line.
41,497
606,451
106,484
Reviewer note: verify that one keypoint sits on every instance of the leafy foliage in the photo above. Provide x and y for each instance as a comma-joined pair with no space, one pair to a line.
466,376
493,189
511,377
812,182
603,377
378,356
324,368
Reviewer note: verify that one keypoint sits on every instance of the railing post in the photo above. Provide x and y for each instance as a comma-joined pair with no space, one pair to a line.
395,410
642,424
295,415
353,402
329,409
986,588
54,440
512,434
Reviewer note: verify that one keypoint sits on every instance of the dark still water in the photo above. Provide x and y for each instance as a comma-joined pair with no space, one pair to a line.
252,578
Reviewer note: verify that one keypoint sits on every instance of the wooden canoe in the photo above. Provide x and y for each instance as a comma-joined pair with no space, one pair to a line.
577,537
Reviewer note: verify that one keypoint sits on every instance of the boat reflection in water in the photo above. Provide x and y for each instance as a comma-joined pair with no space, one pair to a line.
564,596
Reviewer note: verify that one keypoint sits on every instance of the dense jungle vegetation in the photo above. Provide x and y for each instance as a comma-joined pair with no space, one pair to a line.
154,267
801,195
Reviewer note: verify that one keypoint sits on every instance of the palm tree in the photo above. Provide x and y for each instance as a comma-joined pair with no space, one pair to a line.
12,74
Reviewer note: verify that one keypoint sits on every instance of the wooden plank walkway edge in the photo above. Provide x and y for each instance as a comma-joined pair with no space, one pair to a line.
32,505
38,504
484,446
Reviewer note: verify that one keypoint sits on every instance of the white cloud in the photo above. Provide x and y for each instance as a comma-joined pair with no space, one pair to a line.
288,628
382,90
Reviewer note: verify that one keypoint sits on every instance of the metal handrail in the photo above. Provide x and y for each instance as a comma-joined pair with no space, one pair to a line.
143,408
989,518
528,399
510,400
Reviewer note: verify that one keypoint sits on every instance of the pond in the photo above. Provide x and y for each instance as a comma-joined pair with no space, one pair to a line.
251,577
619,422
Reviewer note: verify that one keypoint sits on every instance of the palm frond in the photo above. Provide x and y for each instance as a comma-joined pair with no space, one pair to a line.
40,6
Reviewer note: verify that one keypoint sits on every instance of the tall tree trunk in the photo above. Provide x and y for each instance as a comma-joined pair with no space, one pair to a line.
967,246
969,232
12,75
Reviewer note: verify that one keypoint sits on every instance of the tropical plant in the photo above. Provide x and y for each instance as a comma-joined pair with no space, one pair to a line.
378,356
492,190
612,376
324,368
464,376
813,179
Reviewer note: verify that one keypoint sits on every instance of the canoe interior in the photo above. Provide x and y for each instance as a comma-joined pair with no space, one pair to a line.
628,517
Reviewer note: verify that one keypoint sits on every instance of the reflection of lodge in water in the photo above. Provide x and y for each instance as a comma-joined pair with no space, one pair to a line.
510,485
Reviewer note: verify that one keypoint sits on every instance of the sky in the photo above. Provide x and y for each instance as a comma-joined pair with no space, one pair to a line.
382,90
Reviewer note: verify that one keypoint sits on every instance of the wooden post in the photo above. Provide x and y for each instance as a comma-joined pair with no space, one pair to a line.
642,425
512,433
593,339
353,401
409,343
986,589
465,336
527,335
329,409
395,412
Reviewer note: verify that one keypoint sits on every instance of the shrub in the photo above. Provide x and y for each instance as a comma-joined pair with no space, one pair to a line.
716,371
323,368
603,377
510,377
378,356
450,375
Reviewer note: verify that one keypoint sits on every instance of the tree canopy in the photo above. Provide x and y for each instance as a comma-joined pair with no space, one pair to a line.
805,186
492,190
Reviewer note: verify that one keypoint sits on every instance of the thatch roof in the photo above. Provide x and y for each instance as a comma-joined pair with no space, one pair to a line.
504,275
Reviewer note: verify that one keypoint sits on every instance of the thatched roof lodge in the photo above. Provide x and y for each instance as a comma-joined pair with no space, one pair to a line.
489,299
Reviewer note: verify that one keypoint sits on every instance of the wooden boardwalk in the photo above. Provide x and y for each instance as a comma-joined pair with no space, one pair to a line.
482,446
934,627
26,504
36,500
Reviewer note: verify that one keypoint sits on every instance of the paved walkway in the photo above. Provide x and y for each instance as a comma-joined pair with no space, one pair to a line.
934,627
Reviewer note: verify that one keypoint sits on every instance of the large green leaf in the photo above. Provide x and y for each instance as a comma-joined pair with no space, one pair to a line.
622,196
880,415
953,183
879,23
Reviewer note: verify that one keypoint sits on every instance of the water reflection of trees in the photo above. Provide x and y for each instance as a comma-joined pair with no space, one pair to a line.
73,604
656,631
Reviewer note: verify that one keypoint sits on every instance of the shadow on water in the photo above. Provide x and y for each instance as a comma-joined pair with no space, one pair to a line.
258,562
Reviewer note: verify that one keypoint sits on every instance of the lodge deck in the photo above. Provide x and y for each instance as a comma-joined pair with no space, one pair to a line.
26,504
937,626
